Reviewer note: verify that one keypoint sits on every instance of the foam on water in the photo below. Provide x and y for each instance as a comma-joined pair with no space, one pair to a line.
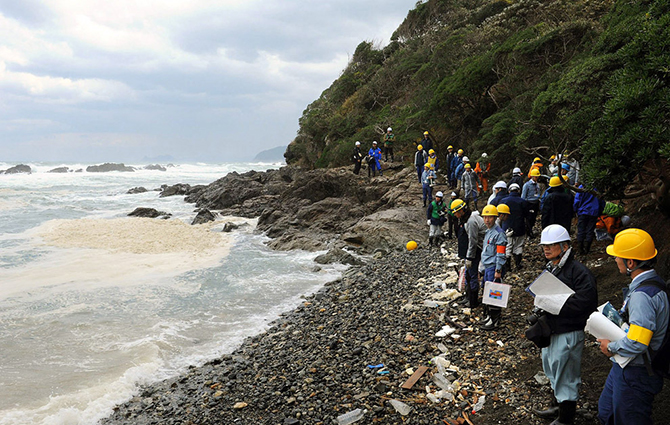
93,303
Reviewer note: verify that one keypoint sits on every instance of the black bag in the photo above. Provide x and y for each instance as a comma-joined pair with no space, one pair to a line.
540,332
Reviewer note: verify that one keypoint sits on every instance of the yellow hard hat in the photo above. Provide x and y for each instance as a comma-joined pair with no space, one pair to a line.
425,133
419,147
450,147
427,165
460,151
430,152
467,166
456,205
552,157
503,209
535,172
537,159
633,244
555,181
411,245
490,210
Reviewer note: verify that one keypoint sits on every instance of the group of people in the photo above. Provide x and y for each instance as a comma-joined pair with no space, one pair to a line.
374,156
490,240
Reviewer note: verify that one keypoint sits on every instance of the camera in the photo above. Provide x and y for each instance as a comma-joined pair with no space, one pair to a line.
534,315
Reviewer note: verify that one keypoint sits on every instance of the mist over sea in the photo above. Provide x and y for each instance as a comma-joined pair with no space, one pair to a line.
94,303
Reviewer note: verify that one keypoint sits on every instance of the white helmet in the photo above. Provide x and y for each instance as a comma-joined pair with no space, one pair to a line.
554,233
466,159
389,129
484,155
453,194
514,186
374,142
500,185
516,170
358,143
439,195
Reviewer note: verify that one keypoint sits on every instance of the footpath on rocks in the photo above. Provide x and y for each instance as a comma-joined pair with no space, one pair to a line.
357,342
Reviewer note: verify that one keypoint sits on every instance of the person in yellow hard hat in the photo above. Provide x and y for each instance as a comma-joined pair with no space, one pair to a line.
427,182
536,165
492,265
556,205
420,158
450,157
531,193
432,159
629,392
470,236
427,142
458,160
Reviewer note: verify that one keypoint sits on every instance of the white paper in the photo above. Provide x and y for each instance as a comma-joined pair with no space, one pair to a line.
603,328
496,294
549,292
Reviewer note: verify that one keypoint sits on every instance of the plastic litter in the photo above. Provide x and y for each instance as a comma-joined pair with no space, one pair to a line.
432,397
480,403
442,382
400,407
376,366
441,364
351,417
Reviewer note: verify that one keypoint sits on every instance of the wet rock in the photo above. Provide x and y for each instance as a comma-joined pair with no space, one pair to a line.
204,216
148,213
17,169
229,227
107,167
156,167
135,190
337,255
177,189
59,170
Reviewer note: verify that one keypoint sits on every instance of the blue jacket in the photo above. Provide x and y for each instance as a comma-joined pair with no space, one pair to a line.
494,249
377,155
587,204
499,197
426,177
518,209
459,171
458,160
531,191
646,308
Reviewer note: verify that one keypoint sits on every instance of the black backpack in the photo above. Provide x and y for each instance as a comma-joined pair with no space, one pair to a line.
660,359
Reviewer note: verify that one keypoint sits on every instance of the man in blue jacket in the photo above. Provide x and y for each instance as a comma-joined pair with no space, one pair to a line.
375,164
492,264
531,193
629,392
515,225
588,208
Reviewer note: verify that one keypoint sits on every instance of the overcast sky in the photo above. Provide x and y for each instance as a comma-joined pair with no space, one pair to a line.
200,80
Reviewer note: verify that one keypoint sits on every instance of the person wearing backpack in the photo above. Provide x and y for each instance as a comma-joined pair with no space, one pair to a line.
629,392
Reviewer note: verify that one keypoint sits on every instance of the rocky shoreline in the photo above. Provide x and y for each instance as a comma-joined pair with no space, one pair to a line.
356,342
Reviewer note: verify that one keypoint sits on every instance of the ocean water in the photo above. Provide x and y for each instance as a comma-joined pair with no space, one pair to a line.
94,303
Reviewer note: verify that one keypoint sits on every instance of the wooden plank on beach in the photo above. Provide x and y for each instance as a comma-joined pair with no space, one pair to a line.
415,377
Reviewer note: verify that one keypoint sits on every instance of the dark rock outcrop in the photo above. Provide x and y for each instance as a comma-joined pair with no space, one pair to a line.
17,169
59,170
311,210
156,167
204,216
107,167
338,255
148,213
135,190
177,189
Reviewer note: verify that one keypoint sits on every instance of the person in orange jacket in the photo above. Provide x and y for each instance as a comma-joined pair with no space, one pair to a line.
537,164
482,170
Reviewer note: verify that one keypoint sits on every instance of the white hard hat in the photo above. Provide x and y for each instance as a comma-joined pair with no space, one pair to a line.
500,185
358,143
516,170
466,159
484,155
389,129
374,142
439,195
554,233
453,194
514,186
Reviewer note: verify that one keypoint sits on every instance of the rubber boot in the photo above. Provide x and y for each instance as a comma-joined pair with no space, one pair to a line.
487,317
582,251
495,313
587,247
517,260
508,264
566,413
548,413
430,241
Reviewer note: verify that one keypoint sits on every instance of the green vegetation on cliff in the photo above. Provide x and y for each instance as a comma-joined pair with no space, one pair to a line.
516,79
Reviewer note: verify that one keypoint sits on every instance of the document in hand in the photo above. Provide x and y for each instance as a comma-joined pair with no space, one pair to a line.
603,328
496,294
549,292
